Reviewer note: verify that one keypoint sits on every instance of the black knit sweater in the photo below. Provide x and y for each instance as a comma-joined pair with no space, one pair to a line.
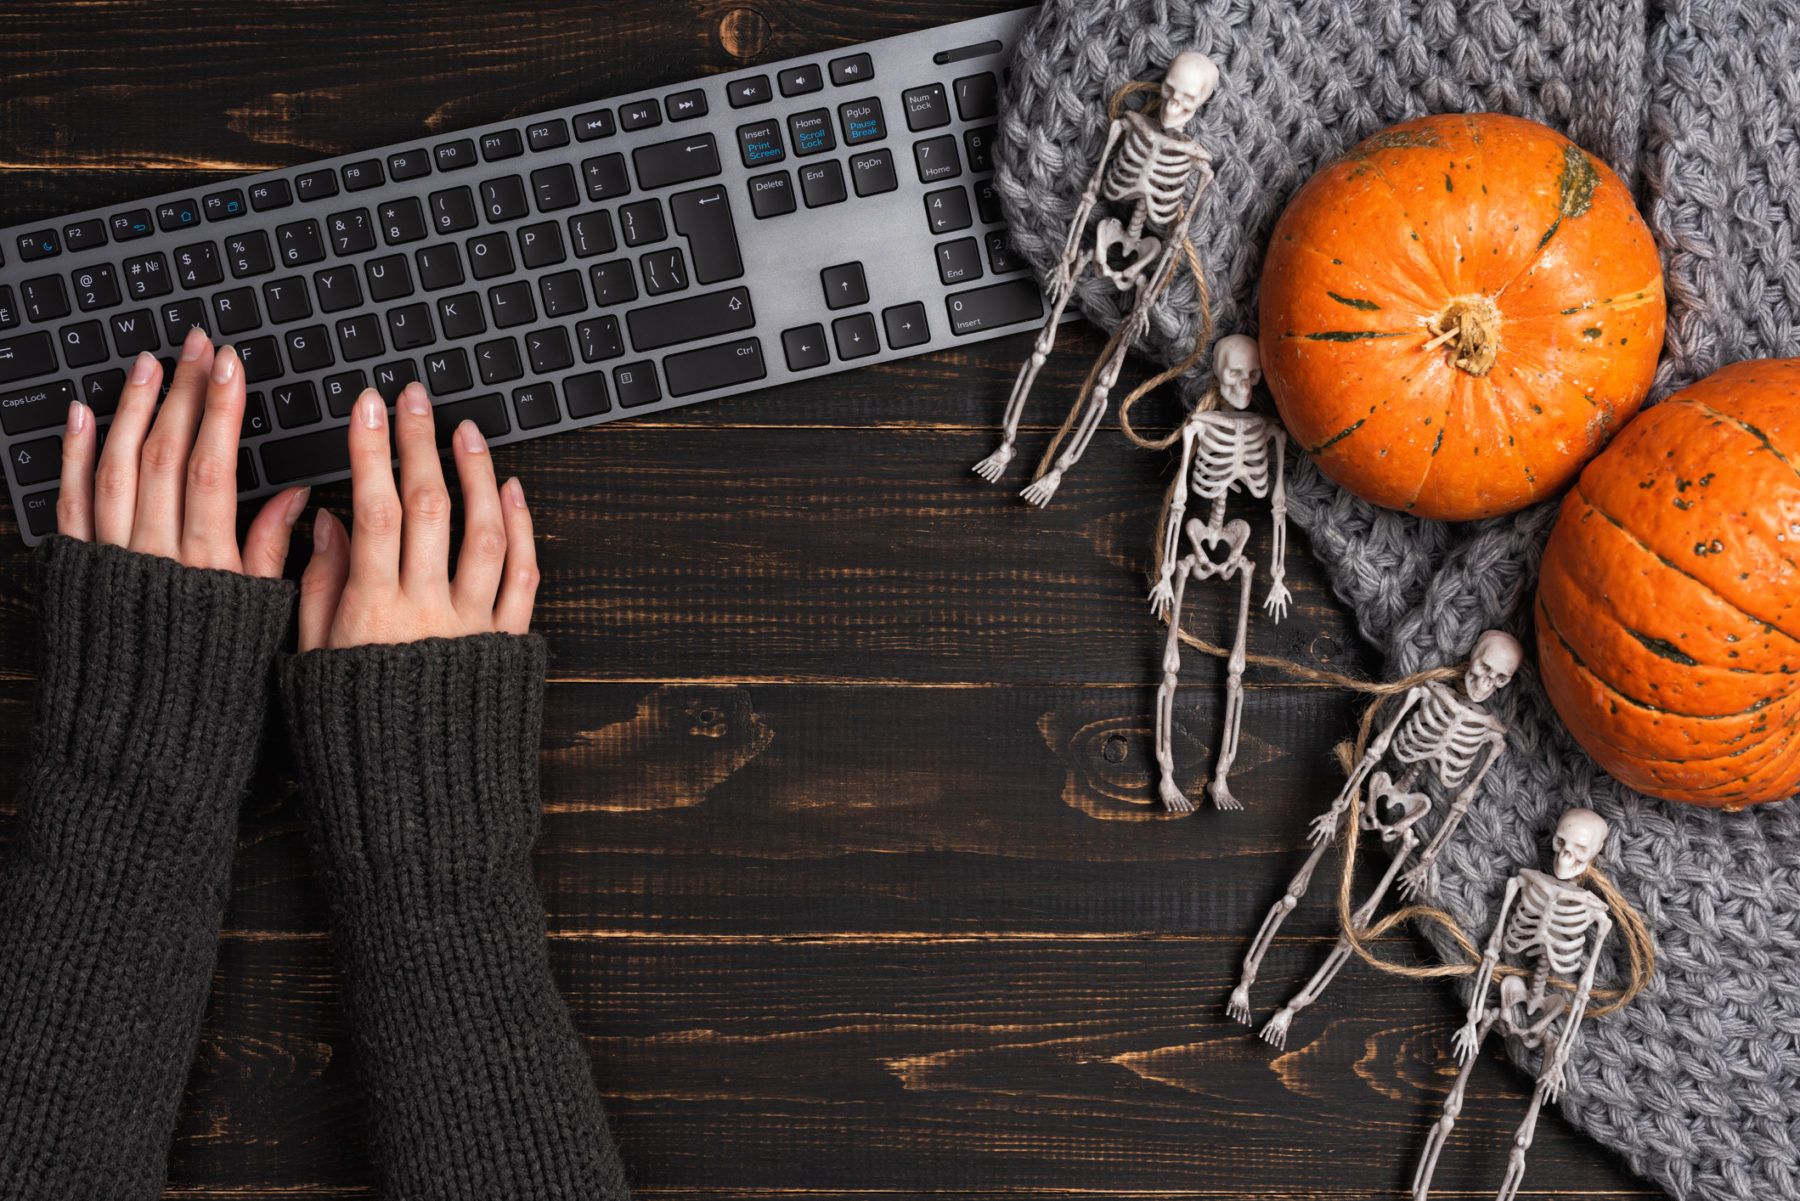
420,764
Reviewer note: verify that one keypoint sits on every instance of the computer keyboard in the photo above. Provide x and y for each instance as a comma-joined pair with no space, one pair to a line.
583,265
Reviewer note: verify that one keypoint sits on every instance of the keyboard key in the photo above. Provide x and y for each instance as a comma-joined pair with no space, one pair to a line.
636,383
178,317
363,175
772,195
9,308
714,367
35,408
454,156
753,89
852,68
409,327
101,390
861,121
905,326
309,348
605,177
642,222
402,221
812,132
958,262
498,361
980,145
1001,258
316,185
133,332
798,81
391,378
95,287
541,245
703,217
35,462
270,194
246,471
993,306
83,344
562,294
300,243
947,210
760,143
341,391
706,316
235,311
600,339
408,164
256,417
511,304
987,201
288,459
286,300
873,173
40,245
439,266
822,183
490,256
548,135
555,188
223,206
197,266
685,106
613,282
447,372
181,214
549,350
535,406
639,114
679,161
664,271
592,233
261,360
589,126
136,224
249,254
338,289
926,108
461,315
85,235
937,159
360,338
586,395
296,405
453,210
40,513
855,336
501,144
25,355
976,96
845,286
45,298
503,199
805,347
487,412
389,278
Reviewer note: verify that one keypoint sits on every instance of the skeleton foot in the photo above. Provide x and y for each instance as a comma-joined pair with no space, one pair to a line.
1172,798
1040,492
1515,1176
1221,796
1238,1007
994,466
1276,1032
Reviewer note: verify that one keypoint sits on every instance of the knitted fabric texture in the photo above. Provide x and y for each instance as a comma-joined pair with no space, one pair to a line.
152,689
1692,104
421,769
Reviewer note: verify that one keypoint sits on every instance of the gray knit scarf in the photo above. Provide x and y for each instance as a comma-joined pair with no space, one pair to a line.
1697,1084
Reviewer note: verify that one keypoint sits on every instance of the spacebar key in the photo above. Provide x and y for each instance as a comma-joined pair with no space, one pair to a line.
690,320
323,453
26,355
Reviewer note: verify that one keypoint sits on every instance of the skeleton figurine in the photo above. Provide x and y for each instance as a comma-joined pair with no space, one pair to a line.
1155,164
1436,728
1220,450
1545,921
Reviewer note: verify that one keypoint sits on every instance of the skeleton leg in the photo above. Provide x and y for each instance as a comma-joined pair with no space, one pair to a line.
1440,1131
1276,1032
1239,1004
1172,798
1515,1163
1041,490
1219,790
992,467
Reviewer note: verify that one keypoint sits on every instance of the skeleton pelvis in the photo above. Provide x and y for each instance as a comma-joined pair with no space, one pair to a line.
1121,257
1390,809
1206,540
1525,1014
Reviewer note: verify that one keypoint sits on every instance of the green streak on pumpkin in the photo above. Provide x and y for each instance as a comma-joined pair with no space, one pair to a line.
1349,335
1577,181
1337,437
1663,648
1592,331
1355,302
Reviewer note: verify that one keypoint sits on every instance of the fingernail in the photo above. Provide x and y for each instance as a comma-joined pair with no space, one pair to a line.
143,369
471,438
371,409
195,346
296,507
225,365
515,492
321,530
415,400
78,418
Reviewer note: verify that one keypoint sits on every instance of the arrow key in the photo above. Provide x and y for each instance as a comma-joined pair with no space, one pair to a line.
805,347
905,325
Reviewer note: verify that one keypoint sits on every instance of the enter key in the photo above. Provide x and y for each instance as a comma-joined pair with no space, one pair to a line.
703,217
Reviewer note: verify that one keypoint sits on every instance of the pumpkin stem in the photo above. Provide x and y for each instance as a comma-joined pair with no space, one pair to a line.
1471,325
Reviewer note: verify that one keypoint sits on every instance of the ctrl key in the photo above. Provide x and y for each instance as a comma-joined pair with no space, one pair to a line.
40,513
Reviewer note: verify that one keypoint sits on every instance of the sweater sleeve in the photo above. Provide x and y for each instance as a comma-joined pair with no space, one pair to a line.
420,765
152,688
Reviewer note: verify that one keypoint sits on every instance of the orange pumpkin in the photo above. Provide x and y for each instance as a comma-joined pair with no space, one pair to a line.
1458,313
1668,606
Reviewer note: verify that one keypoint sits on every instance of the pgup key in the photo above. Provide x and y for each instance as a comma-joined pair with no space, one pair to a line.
703,217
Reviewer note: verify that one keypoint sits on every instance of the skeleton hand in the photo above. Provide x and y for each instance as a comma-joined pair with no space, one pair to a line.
1466,1042
1413,879
1553,1081
1278,600
1324,827
1162,598
1062,281
1137,324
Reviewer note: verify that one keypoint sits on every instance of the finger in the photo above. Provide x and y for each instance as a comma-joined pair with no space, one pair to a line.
266,543
374,505
425,538
209,511
116,475
483,553
512,612
322,583
75,498
156,528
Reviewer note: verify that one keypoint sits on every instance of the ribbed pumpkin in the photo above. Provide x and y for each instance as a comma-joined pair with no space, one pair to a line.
1458,313
1668,607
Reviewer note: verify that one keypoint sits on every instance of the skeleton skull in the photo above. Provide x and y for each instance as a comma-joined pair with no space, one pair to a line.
1579,836
1238,363
1188,84
1491,666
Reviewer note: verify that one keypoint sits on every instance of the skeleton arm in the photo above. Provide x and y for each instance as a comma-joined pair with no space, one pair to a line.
1559,1058
1325,826
1414,879
1468,1038
1278,594
1064,277
1162,597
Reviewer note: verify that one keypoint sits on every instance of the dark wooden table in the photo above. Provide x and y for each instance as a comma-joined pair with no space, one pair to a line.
853,882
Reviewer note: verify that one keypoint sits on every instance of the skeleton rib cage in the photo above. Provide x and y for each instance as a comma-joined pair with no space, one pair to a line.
1550,924
1230,449
1151,170
1445,730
